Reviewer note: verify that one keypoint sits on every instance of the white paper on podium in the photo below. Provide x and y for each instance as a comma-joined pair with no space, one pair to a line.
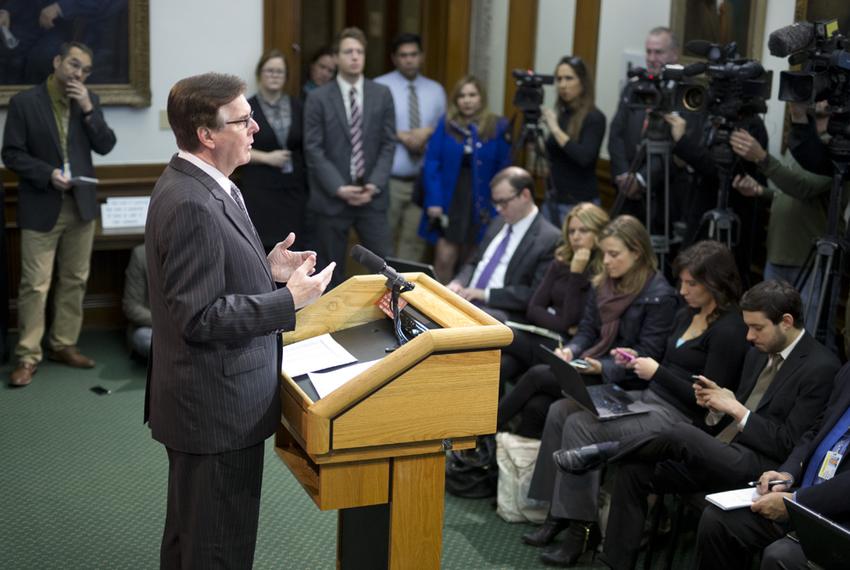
317,353
327,382
731,500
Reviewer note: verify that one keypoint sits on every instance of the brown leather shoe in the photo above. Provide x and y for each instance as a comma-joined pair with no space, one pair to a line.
22,374
71,356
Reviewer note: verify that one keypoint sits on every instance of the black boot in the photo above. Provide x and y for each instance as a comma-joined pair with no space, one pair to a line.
582,459
545,533
580,537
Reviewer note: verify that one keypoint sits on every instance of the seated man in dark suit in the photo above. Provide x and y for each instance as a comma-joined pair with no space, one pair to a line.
785,383
515,252
729,539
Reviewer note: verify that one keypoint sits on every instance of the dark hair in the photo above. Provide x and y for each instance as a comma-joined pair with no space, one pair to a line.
713,266
194,102
517,177
406,38
774,298
353,33
65,49
273,53
320,53
584,102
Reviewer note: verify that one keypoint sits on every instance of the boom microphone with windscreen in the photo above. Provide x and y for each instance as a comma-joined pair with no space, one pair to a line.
790,39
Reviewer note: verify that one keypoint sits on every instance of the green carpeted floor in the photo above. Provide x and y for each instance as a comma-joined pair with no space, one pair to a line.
84,485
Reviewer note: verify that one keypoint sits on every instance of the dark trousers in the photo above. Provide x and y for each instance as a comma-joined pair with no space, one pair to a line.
533,394
213,509
730,539
331,237
683,459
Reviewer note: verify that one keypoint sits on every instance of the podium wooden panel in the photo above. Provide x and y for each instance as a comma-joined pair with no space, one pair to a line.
375,448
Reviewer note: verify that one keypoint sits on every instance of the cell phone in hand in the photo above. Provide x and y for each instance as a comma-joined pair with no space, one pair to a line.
625,354
579,363
700,380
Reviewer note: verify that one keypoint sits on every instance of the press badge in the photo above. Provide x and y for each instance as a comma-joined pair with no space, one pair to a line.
829,465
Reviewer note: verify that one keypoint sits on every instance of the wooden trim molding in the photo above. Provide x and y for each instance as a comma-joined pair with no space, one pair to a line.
282,30
522,37
586,32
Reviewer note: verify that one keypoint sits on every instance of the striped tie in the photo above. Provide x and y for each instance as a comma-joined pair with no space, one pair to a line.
414,121
356,130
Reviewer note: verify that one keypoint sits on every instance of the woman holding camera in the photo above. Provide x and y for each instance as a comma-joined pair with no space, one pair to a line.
576,129
468,147
708,338
558,301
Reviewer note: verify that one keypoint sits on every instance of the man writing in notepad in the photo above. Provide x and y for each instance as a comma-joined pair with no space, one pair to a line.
818,478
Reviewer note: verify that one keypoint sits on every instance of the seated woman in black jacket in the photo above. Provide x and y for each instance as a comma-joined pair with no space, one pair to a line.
629,304
708,338
558,301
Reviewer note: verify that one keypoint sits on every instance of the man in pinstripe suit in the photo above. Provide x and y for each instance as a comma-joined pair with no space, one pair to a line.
212,396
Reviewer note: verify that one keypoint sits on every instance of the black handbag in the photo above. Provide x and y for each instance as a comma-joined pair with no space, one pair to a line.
473,473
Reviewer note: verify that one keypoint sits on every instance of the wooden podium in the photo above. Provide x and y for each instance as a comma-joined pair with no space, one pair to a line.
375,448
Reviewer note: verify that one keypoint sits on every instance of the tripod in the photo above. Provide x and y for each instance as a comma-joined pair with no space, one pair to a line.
824,262
532,134
721,223
656,145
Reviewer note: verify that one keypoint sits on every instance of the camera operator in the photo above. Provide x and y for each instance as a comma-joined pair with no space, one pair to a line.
629,125
692,144
800,202
576,128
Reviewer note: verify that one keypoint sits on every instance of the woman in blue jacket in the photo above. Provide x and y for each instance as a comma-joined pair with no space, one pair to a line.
468,147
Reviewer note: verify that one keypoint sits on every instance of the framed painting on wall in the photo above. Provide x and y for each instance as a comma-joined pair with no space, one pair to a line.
117,31
720,22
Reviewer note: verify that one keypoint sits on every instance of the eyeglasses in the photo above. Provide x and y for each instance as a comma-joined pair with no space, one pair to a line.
504,201
274,72
245,122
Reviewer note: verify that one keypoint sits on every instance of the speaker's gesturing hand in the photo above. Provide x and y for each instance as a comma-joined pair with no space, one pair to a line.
305,286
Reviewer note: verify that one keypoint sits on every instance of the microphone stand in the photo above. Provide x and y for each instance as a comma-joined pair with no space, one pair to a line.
398,286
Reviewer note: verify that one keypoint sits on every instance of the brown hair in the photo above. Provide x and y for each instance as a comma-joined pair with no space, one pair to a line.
65,49
353,33
713,266
634,236
194,102
593,218
774,298
273,53
485,121
583,103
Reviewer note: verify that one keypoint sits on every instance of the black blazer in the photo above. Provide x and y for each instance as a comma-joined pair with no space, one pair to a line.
830,497
276,201
793,401
216,311
31,150
526,268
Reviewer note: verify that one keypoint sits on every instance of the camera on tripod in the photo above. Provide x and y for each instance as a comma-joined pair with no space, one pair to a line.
529,93
669,91
823,51
737,86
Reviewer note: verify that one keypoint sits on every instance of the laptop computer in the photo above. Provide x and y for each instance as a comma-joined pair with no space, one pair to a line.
824,542
407,266
606,401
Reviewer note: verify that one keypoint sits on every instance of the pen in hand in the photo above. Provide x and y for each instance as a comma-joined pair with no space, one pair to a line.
773,482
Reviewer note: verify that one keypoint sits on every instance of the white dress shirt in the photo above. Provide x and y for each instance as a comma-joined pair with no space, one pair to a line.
345,89
497,280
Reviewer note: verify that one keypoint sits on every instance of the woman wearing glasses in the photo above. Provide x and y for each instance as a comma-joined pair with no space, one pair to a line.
273,184
468,147
576,128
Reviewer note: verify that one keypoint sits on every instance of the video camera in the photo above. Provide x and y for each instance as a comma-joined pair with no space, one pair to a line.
529,93
737,86
669,91
824,52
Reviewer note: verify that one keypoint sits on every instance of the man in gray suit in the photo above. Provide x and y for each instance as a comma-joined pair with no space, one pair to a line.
349,141
212,395
517,248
